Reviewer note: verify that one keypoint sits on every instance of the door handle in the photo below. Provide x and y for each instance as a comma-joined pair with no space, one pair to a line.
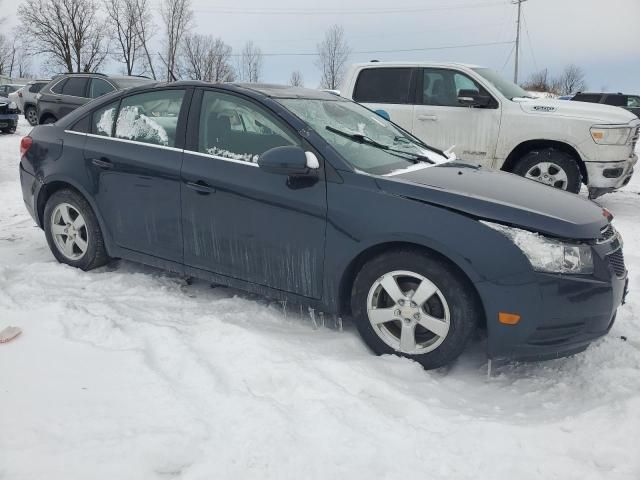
431,118
201,187
102,163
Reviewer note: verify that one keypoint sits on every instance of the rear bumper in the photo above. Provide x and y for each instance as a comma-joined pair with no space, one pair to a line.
560,314
9,120
29,186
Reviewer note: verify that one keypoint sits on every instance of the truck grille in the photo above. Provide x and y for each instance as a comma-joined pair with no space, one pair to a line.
4,108
616,260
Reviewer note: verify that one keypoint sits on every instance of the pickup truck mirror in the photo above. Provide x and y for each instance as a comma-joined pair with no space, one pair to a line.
473,98
288,160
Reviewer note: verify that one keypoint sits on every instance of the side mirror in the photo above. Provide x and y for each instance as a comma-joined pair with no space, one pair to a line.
289,160
473,98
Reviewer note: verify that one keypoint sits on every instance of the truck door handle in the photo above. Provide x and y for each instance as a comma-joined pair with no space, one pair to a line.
102,163
431,118
201,187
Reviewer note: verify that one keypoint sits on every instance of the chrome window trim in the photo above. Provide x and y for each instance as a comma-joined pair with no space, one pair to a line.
174,149
218,157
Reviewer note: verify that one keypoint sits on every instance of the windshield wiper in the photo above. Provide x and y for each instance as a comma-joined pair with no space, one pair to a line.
362,138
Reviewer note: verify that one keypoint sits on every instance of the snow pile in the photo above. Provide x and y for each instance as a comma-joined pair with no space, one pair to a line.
127,372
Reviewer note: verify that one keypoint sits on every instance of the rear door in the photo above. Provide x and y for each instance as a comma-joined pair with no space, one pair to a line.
133,156
391,89
238,220
441,121
74,95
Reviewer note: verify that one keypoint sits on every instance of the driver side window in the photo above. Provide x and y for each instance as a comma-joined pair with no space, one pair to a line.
441,87
237,129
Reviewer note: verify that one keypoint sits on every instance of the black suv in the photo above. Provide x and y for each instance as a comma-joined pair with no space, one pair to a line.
628,102
67,92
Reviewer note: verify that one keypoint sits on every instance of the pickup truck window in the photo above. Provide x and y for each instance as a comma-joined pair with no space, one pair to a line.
504,86
588,97
440,87
633,102
384,85
616,100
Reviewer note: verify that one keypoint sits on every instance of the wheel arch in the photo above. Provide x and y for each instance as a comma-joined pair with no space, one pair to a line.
44,116
54,185
465,272
529,145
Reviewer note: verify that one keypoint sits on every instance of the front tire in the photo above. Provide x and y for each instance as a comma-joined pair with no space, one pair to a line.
552,167
73,232
414,304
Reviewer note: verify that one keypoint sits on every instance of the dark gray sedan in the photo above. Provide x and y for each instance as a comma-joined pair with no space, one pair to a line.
302,195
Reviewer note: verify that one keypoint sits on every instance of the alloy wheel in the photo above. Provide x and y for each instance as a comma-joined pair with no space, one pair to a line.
408,312
69,231
550,174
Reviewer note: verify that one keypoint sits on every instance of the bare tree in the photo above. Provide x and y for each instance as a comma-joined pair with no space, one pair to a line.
296,80
69,32
145,30
538,82
177,16
207,58
122,21
250,68
571,80
333,53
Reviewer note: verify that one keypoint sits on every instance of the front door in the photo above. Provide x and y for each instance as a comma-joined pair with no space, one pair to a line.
444,123
132,158
238,220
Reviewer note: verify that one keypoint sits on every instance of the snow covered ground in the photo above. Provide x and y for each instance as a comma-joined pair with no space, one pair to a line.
126,372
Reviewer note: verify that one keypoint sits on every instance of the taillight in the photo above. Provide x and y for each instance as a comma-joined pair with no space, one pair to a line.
25,145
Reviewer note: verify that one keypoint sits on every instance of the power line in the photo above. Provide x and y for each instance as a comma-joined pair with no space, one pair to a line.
405,50
360,11
526,29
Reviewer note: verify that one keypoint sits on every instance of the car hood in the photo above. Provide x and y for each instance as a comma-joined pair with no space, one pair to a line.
500,197
584,110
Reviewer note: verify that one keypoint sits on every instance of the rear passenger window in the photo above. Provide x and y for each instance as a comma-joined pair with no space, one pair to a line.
57,88
75,87
237,129
102,120
588,97
99,87
616,100
150,117
384,85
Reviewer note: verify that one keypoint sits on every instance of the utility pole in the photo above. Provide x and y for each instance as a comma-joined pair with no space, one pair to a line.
515,70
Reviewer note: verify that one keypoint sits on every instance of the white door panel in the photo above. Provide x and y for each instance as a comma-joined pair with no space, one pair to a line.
399,114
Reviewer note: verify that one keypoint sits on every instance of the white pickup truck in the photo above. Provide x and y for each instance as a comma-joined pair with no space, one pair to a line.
488,120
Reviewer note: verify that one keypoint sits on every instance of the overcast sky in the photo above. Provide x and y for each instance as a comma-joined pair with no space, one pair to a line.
601,37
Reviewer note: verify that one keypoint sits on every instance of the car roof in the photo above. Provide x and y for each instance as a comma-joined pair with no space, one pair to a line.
376,63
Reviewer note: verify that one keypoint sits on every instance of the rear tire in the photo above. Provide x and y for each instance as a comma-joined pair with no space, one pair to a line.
552,167
31,114
433,306
48,120
73,232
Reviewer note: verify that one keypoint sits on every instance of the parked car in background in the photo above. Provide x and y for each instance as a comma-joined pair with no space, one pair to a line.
303,195
487,120
8,115
26,99
9,88
67,92
628,102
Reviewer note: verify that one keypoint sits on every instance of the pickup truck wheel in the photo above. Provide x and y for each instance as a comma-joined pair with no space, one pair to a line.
31,115
551,167
413,304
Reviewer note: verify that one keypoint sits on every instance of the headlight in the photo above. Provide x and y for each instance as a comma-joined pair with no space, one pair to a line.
549,254
610,135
